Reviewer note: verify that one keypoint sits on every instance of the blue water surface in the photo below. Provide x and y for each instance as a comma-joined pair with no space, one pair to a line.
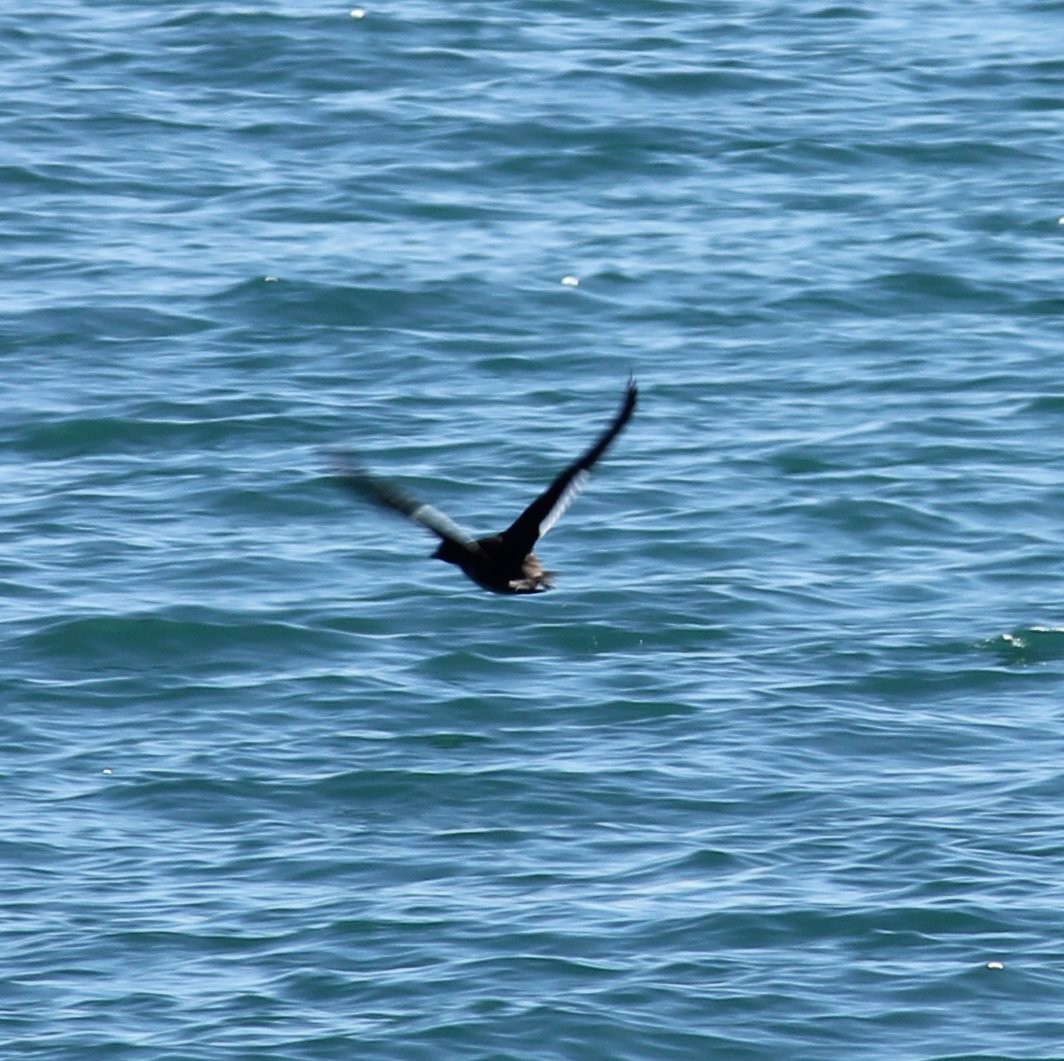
777,771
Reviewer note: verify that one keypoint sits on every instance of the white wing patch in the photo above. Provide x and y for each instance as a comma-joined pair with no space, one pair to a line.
435,520
568,496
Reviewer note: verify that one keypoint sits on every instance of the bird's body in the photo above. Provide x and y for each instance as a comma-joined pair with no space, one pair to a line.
502,563
500,569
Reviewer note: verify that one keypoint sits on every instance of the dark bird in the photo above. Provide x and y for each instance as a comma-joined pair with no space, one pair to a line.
503,563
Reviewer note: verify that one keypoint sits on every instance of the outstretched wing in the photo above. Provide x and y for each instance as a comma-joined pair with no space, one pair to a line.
551,505
353,477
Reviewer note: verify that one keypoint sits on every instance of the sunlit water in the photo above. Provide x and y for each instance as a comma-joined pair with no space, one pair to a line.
777,771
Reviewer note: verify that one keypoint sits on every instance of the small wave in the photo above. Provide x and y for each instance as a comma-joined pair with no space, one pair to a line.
184,642
1028,645
119,323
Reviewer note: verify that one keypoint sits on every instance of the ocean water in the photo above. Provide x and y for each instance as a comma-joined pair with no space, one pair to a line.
777,771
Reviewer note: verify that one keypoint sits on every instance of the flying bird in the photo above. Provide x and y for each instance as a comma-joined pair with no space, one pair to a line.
502,563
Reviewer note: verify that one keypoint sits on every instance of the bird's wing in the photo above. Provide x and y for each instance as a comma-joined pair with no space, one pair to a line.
351,475
551,505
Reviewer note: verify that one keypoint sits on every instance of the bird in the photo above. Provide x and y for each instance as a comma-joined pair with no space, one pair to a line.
504,562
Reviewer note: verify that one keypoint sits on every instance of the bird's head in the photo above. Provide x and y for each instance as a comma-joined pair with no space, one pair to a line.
447,552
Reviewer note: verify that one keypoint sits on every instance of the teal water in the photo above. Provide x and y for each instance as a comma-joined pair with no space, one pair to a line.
775,772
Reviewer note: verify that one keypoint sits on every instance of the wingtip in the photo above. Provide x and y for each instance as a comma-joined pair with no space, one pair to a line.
342,462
